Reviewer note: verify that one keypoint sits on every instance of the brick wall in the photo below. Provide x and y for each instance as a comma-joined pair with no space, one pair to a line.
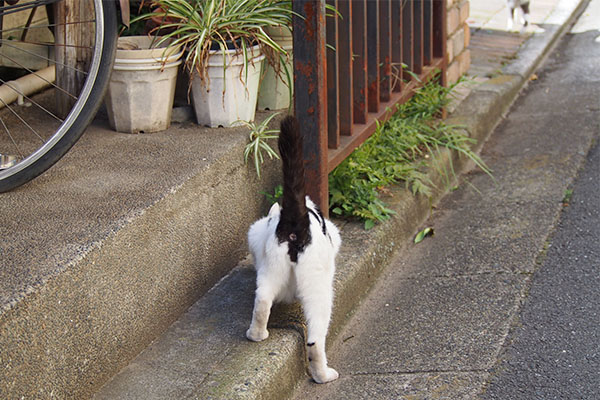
459,56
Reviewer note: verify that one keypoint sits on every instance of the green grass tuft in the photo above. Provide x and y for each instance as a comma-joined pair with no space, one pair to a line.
397,153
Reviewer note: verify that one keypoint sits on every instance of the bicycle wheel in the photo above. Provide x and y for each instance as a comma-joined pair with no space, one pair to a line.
64,57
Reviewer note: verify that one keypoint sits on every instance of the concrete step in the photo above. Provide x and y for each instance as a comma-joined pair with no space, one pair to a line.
205,355
104,251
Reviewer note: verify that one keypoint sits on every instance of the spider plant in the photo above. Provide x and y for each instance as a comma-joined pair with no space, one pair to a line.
259,134
201,27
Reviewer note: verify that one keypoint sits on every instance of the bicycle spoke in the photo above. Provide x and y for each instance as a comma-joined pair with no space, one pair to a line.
78,38
38,26
33,101
50,83
14,8
11,138
47,81
49,44
8,107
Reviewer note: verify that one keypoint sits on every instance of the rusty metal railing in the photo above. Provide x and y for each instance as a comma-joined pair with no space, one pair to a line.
348,72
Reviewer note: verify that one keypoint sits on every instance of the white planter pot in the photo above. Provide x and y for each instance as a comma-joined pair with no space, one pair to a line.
227,96
142,86
274,91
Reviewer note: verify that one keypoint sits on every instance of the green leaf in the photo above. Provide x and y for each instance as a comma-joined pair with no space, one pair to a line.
369,224
423,234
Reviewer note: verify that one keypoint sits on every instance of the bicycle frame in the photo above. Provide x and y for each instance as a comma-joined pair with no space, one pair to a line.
14,6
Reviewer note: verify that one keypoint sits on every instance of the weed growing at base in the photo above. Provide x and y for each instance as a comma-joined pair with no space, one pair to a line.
397,152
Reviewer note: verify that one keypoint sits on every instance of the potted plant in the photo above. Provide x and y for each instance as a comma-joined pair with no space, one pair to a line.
224,43
276,87
141,89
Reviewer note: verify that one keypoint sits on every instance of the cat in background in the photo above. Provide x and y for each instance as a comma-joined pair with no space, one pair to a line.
294,249
513,5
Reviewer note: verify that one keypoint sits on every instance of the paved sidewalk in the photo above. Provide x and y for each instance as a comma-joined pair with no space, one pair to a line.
493,46
493,15
437,324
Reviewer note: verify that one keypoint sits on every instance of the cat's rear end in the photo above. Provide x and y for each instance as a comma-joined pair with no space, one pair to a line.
294,249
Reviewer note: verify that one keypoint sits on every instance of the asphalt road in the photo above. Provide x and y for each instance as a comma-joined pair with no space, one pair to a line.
554,348
504,301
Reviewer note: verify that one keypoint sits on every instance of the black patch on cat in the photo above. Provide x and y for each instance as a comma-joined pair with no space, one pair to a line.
296,243
310,344
309,359
320,218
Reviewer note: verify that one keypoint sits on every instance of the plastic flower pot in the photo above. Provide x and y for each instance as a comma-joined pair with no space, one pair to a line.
275,92
142,86
229,93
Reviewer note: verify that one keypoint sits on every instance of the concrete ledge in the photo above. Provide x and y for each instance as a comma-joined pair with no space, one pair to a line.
117,273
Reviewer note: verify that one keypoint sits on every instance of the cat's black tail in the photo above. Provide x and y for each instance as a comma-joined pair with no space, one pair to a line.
294,221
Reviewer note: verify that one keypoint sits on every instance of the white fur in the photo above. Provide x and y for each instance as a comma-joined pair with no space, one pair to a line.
310,281
513,5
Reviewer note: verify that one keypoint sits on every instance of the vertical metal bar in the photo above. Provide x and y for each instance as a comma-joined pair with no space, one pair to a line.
372,43
418,36
427,32
310,98
407,38
359,63
344,54
385,50
439,35
396,42
333,130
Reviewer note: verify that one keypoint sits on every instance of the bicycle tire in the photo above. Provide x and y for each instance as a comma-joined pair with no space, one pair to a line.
83,110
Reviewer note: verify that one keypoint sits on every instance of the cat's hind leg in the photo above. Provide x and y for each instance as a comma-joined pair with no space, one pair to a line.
511,17
260,315
317,301
526,14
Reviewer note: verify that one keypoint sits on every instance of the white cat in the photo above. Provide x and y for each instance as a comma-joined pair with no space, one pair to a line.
294,249
512,8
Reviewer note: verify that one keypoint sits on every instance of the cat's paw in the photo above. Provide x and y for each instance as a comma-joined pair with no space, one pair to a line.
325,375
257,336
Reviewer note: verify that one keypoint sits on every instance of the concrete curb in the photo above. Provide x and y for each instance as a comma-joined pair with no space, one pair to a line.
151,255
272,368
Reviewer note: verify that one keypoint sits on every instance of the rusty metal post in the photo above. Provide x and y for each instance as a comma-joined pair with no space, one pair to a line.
407,38
372,42
359,63
385,52
397,38
417,36
439,35
310,94
333,127
344,59
427,32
